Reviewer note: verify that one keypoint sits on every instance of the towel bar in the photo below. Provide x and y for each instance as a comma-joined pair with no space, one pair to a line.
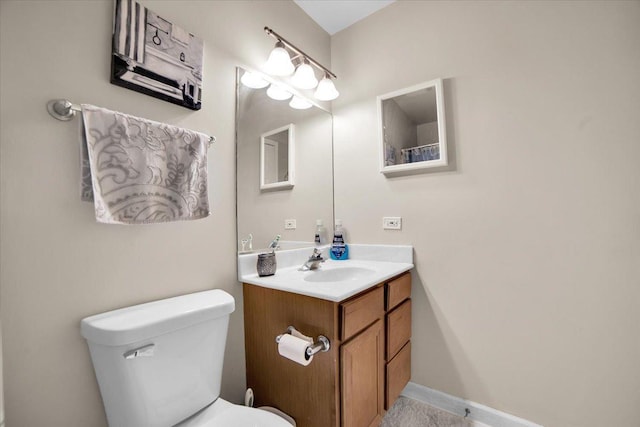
63,109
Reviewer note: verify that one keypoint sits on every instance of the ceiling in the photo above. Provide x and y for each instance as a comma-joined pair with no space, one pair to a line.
336,15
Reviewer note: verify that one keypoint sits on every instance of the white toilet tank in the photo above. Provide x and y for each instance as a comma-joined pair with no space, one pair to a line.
160,362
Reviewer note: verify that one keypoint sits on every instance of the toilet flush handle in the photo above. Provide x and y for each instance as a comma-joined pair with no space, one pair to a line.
144,351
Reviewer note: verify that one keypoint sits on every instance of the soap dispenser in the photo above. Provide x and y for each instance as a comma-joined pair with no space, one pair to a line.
320,238
339,249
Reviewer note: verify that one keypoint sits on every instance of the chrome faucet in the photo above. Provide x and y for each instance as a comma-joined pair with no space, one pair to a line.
314,261
275,244
244,242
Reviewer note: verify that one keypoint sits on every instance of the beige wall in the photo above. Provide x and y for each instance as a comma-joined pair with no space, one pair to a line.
427,133
57,264
1,383
527,278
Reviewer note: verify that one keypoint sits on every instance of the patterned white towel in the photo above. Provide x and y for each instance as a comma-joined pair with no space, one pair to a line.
138,171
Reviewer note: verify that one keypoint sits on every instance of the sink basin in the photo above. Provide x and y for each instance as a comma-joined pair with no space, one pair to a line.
338,274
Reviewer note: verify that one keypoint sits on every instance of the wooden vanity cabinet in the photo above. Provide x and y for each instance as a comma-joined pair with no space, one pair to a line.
357,380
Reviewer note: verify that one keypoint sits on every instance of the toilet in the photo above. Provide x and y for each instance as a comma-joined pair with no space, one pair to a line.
159,364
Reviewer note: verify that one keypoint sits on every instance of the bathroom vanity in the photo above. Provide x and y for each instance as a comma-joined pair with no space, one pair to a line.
362,305
364,371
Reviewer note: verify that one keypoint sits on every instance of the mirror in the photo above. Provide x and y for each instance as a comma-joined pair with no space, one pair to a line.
412,128
277,158
284,209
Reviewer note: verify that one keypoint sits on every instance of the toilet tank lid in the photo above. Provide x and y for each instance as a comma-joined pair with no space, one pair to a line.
139,322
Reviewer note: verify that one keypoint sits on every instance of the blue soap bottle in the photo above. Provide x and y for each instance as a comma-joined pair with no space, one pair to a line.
339,249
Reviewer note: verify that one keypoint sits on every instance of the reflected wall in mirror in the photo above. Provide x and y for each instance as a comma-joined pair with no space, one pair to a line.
412,128
277,158
262,214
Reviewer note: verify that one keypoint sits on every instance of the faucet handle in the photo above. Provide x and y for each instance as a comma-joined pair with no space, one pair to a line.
317,255
275,244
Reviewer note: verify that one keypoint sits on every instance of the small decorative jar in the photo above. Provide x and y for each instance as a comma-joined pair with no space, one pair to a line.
266,264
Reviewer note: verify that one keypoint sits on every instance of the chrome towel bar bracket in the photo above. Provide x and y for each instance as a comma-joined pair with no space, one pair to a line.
62,109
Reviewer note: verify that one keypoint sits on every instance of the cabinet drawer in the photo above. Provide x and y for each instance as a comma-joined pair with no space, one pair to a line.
359,313
398,290
398,328
398,374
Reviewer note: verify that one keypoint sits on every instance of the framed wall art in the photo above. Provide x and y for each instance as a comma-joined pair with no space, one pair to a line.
153,56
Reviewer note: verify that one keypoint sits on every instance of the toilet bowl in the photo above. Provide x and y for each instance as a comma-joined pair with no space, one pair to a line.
225,414
159,364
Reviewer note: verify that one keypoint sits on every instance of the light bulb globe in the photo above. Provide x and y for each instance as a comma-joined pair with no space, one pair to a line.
279,62
304,78
277,93
299,103
253,80
326,90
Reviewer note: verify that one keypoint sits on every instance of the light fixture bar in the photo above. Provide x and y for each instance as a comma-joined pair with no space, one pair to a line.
288,44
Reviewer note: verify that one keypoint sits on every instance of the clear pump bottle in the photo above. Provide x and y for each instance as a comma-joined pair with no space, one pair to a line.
320,238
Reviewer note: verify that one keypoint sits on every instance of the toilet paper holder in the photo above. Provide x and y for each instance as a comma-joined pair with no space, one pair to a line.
322,343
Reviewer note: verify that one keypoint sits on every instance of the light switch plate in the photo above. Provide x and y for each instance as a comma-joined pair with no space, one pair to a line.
289,224
392,223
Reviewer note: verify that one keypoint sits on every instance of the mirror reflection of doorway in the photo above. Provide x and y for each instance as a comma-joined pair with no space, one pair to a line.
276,158
271,161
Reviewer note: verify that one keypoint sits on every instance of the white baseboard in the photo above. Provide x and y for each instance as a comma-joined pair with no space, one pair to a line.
480,415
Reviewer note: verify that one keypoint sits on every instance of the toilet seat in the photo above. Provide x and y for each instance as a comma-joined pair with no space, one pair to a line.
224,414
242,416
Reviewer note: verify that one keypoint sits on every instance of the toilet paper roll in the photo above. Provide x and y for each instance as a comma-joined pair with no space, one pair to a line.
294,348
302,336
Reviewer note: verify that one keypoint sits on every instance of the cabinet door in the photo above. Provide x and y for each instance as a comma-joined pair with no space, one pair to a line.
398,375
362,373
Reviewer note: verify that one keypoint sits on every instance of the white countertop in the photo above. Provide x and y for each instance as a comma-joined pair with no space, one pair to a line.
382,262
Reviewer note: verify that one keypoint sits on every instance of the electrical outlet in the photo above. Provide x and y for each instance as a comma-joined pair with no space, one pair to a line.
392,223
289,224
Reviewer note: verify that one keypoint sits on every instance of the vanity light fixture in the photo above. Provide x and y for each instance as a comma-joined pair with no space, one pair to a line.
278,93
299,103
304,77
253,80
